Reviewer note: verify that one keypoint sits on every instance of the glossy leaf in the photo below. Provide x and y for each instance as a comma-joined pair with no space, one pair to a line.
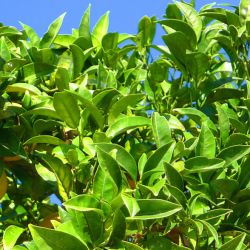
233,153
84,203
10,236
67,107
202,164
84,28
52,32
206,145
63,174
47,139
235,243
155,209
124,159
100,29
94,111
126,123
161,130
51,239
192,17
122,104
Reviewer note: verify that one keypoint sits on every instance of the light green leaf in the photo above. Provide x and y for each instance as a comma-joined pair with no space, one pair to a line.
62,172
22,88
161,130
52,32
236,243
201,164
91,107
99,30
244,11
211,230
224,124
197,116
32,35
131,204
192,17
55,240
122,104
206,145
67,108
10,236
163,153
124,158
84,203
155,209
84,28
179,25
126,123
233,153
47,139
173,176
108,180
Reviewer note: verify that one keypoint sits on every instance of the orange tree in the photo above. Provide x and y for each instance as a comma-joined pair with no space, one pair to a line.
142,153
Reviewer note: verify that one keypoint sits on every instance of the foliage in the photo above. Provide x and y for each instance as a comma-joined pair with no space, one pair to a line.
142,153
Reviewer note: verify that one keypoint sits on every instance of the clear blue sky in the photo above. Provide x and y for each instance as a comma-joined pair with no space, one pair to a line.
124,15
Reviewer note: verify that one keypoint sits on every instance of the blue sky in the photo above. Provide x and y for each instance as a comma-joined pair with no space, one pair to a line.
124,15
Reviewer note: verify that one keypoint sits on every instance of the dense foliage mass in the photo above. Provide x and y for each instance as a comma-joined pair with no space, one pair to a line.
142,151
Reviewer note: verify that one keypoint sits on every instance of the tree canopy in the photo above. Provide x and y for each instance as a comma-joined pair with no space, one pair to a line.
145,146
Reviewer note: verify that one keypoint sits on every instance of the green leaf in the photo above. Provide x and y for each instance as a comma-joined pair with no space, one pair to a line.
91,107
84,203
173,176
52,32
192,17
236,243
62,79
202,164
206,145
54,240
211,230
47,139
233,153
244,11
126,123
197,63
62,172
10,236
122,104
78,59
108,180
67,108
4,50
110,41
99,30
22,88
131,204
35,70
178,50
124,158
32,35
226,187
84,28
163,153
155,209
146,28
197,116
10,144
161,130
224,124
9,31
183,27
43,111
